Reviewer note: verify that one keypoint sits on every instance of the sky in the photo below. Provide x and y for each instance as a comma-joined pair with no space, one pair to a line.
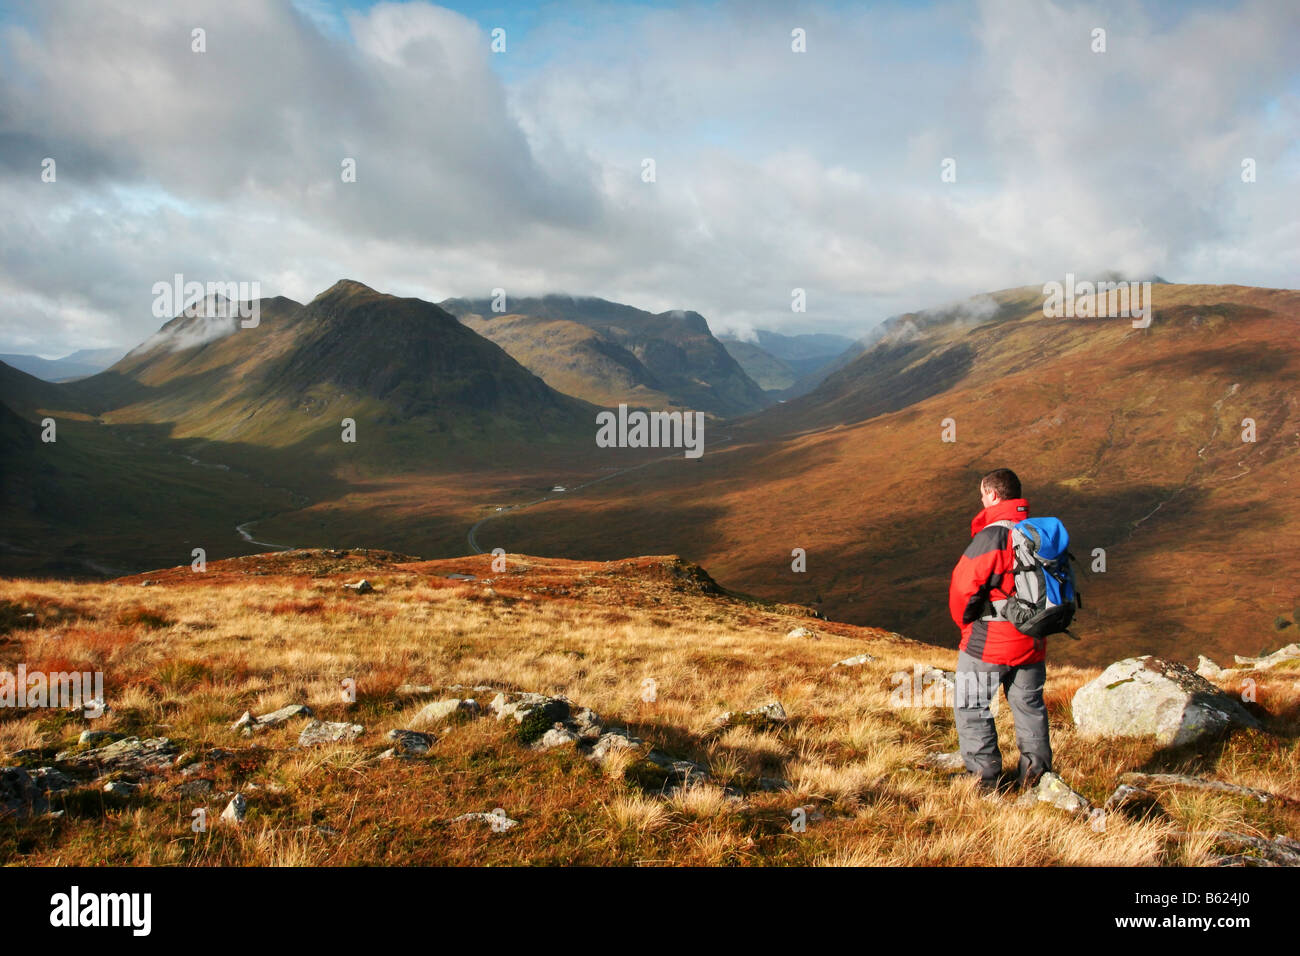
524,169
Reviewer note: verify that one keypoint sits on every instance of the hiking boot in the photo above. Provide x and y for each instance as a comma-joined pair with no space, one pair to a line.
1031,772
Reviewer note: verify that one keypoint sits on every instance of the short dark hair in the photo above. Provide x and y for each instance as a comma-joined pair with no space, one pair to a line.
1002,482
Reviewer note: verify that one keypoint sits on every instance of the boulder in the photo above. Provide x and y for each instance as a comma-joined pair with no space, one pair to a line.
361,587
1146,695
801,631
327,732
122,788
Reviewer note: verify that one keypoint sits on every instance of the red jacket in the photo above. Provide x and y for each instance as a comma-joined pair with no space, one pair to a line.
985,568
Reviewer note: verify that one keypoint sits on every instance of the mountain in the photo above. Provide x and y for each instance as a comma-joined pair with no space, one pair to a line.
1137,438
410,375
669,359
77,365
207,425
779,362
771,374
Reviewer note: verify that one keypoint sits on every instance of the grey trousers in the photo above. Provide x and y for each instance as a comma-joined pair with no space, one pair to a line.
977,687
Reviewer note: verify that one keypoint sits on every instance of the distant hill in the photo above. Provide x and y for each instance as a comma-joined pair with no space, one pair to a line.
77,365
668,359
778,362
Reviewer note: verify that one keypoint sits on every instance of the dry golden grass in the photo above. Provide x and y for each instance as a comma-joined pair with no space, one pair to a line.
185,658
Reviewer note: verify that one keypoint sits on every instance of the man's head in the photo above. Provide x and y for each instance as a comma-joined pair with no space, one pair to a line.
999,485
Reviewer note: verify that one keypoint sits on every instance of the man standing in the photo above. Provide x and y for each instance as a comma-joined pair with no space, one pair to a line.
992,651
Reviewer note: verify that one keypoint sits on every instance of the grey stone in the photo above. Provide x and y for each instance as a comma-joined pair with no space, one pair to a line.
557,736
801,631
855,661
442,709
1136,801
129,753
248,723
50,780
122,788
93,737
328,732
411,742
195,789
236,810
1145,695
19,794
944,761
1053,790
499,822
361,587
611,741
586,724
521,706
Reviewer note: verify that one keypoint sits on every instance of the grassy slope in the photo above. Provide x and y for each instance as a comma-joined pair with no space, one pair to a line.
184,658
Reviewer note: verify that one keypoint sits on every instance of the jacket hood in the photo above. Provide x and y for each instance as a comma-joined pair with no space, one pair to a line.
1012,509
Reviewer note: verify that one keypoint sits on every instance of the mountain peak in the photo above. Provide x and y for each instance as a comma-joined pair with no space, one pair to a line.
346,288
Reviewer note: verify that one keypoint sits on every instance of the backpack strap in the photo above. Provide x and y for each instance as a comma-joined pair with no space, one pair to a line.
994,610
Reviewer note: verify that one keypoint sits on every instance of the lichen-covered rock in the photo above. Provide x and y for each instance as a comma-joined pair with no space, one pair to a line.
328,732
557,736
1145,695
856,661
497,820
612,741
19,794
127,754
525,706
1055,791
236,810
442,709
410,743
800,631
247,724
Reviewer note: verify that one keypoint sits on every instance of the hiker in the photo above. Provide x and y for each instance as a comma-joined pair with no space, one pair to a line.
992,651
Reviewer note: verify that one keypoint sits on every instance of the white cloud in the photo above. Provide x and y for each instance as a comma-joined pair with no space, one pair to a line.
775,170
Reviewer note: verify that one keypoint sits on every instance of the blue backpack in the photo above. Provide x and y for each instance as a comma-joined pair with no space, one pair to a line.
1045,597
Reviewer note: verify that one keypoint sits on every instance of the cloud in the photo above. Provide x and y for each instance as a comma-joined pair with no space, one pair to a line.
774,170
